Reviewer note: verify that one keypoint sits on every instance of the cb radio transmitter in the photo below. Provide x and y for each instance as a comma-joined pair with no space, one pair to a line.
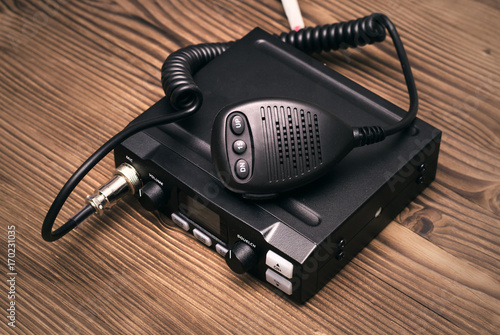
298,240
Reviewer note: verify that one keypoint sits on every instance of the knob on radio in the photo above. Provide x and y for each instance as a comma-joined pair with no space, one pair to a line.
151,196
241,257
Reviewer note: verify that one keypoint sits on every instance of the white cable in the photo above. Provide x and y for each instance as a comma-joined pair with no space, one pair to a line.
292,12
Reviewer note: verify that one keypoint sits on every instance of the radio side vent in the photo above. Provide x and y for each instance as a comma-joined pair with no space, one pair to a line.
292,141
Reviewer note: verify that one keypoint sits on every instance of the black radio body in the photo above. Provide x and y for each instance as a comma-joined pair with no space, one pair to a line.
299,240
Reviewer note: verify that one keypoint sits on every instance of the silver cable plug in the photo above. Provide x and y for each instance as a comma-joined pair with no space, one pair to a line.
125,180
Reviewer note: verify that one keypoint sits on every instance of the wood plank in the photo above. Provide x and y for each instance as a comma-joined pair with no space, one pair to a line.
456,225
453,288
75,73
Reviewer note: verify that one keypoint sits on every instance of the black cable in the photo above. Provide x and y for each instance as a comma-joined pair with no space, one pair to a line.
178,70
342,35
186,97
360,32
82,171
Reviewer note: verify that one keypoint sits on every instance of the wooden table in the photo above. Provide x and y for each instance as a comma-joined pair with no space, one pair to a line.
73,73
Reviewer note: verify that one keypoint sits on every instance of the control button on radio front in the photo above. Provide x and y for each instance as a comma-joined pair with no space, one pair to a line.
202,237
180,221
151,196
279,264
221,250
241,257
278,281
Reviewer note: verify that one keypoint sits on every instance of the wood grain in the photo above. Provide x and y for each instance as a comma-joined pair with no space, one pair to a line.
73,73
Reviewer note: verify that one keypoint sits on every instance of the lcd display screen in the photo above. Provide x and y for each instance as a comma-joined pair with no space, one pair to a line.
202,215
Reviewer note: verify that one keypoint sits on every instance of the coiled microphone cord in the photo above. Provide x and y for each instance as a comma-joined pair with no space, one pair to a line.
186,97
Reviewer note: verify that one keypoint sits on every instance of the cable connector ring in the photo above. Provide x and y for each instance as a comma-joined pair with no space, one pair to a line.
125,180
